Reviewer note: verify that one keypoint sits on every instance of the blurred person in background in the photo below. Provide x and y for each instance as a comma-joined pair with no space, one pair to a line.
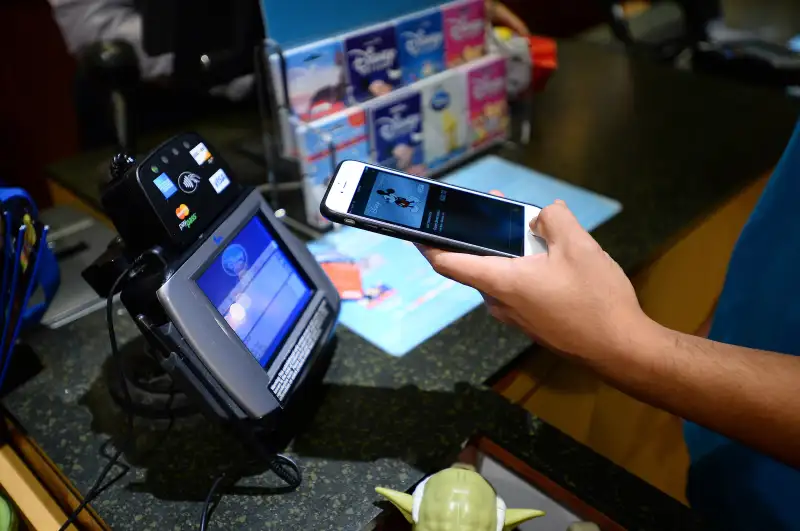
84,22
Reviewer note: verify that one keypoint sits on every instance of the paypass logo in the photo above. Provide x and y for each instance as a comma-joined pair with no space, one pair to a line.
182,212
187,223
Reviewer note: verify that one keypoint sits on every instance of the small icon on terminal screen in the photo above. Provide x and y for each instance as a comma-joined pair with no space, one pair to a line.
188,182
165,185
182,211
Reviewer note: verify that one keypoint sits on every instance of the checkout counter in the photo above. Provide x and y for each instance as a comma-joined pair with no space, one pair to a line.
666,144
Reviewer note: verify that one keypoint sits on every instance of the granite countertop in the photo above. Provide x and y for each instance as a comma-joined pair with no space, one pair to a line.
670,146
382,421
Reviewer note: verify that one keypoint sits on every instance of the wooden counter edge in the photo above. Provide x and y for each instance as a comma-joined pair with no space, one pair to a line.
56,495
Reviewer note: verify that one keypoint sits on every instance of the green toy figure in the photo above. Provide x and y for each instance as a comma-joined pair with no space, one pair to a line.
457,499
8,518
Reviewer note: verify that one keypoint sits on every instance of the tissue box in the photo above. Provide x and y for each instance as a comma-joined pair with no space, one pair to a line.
445,119
373,63
420,42
348,132
488,106
464,31
396,131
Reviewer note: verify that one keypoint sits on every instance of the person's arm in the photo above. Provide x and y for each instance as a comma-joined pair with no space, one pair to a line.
578,301
500,15
705,328
748,395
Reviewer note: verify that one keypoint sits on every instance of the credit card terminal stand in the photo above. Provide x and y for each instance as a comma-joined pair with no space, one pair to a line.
237,310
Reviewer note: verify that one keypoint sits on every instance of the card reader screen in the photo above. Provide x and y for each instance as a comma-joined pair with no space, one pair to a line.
256,289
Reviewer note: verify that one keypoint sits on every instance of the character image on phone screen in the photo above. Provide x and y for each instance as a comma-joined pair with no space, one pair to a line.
411,203
439,210
397,200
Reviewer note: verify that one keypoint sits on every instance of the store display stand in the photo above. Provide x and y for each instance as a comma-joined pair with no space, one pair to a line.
285,172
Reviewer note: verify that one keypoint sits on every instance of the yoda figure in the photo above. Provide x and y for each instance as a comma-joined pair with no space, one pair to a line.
457,499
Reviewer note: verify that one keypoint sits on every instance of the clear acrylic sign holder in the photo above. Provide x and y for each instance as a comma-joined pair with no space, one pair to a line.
280,122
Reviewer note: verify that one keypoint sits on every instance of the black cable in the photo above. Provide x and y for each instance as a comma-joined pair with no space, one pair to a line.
275,465
292,481
207,509
95,489
98,487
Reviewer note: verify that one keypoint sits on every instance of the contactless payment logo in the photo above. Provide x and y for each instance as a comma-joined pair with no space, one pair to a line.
234,260
182,211
165,185
188,182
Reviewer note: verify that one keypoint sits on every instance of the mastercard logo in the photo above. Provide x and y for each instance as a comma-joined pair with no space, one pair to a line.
182,211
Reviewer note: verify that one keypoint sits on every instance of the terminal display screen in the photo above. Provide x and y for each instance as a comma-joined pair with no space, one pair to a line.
257,289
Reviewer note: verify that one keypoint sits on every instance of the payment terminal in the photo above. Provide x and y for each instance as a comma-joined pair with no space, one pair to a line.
238,312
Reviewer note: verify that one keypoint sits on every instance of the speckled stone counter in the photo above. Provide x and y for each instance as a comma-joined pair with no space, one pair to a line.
382,421
670,146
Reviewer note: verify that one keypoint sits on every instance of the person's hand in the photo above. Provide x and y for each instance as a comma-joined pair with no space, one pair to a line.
500,15
575,298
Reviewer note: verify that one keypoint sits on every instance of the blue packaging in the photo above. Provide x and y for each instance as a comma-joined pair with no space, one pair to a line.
347,132
420,42
396,131
373,64
315,79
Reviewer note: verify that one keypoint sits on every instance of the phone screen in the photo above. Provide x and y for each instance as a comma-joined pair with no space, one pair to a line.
439,210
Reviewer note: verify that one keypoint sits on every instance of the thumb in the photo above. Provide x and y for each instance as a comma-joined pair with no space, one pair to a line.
556,223
483,273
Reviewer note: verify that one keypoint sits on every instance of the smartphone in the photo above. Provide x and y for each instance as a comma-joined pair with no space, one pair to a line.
429,212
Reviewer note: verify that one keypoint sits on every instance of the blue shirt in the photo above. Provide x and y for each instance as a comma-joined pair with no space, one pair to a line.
736,487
